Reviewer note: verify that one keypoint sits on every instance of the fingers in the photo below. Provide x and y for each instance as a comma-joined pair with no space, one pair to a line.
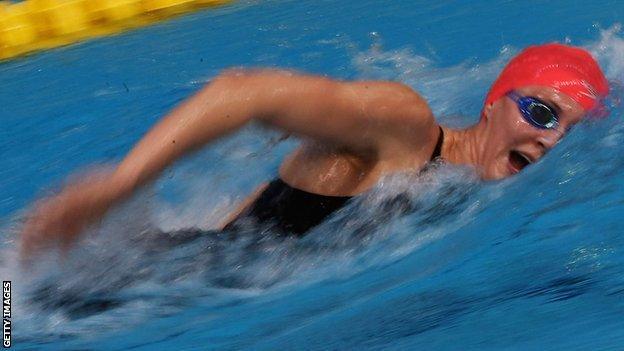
59,219
30,244
32,238
43,227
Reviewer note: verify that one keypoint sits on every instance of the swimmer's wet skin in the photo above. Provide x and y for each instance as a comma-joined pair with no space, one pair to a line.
288,210
355,133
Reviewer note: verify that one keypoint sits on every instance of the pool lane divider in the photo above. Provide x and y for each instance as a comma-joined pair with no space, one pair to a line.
34,25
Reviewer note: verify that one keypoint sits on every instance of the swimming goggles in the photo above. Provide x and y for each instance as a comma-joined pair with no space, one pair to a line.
536,112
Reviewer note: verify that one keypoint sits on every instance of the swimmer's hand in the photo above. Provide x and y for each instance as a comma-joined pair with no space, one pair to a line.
58,220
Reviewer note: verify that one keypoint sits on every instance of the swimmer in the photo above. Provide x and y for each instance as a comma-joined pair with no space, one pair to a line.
353,133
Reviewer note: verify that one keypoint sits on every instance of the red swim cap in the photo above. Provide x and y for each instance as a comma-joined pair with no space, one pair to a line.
570,70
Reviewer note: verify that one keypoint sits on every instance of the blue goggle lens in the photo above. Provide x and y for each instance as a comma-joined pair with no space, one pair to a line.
541,114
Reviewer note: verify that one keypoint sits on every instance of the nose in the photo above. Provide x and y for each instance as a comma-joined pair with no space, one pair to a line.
550,137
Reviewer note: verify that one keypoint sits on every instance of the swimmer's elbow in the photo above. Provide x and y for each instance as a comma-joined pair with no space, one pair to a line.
251,91
251,79
233,97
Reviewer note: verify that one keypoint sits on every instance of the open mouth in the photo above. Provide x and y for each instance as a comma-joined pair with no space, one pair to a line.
518,160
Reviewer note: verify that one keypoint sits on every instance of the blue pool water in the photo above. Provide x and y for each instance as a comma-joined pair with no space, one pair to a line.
535,262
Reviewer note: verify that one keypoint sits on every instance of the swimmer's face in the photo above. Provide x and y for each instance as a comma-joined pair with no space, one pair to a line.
511,143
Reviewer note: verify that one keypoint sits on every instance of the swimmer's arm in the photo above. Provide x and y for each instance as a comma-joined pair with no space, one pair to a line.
366,117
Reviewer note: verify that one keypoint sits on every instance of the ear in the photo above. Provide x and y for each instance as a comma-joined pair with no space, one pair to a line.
487,109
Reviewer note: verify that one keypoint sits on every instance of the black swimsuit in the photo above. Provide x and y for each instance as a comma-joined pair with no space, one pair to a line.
293,211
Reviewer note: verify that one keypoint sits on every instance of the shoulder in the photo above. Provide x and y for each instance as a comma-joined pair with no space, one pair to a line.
395,101
405,114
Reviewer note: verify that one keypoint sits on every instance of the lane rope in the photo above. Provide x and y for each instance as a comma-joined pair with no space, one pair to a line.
34,25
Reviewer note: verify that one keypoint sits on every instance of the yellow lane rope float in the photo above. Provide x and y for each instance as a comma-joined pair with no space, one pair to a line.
33,25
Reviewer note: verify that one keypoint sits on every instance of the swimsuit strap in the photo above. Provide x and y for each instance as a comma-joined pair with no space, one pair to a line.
437,152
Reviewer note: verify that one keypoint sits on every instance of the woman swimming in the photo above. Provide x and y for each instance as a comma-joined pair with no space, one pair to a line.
354,133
